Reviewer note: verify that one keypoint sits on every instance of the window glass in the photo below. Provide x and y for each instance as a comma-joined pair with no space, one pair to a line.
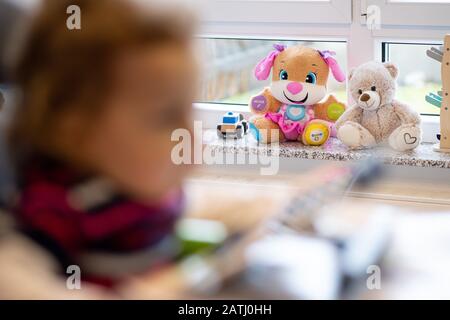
419,74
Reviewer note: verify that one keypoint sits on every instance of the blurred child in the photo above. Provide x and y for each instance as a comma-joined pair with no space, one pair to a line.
90,140
2,100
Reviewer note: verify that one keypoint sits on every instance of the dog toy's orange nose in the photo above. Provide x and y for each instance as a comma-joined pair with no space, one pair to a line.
294,87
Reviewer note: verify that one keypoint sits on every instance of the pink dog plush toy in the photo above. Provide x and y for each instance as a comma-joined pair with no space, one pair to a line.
291,108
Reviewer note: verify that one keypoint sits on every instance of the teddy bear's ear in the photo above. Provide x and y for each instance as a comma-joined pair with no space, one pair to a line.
351,73
392,68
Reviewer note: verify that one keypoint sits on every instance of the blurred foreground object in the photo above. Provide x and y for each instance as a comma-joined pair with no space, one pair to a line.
196,235
294,238
27,271
2,100
245,239
12,13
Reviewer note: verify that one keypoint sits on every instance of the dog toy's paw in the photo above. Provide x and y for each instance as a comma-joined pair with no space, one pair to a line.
406,137
255,132
266,135
355,136
316,134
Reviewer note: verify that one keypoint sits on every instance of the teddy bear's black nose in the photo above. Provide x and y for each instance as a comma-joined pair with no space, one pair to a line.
365,97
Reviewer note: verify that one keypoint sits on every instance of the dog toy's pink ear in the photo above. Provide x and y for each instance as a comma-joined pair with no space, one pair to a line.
338,74
262,70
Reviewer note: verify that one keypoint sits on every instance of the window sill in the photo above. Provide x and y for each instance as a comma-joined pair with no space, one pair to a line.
424,156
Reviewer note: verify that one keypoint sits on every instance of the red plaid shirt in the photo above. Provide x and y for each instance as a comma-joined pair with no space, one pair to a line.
52,211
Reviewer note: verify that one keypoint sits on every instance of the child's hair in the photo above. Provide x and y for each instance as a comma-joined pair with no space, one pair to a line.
58,68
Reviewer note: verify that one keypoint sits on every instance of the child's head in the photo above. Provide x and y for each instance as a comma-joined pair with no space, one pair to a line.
2,100
106,98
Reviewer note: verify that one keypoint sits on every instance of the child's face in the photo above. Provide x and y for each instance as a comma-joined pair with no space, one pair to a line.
130,140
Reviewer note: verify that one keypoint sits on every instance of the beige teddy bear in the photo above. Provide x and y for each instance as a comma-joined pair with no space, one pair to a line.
377,117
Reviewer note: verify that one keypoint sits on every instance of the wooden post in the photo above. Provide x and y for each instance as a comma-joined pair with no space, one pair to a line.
445,108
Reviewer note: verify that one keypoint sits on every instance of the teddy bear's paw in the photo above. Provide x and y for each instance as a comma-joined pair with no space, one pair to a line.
406,137
355,136
349,135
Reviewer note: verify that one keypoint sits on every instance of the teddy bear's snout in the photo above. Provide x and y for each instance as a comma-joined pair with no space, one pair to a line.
369,100
365,97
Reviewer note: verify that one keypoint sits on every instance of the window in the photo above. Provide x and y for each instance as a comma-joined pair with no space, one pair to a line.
285,11
412,12
228,73
231,31
419,75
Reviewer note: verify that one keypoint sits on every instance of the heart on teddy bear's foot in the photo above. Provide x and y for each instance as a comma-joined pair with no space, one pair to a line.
409,139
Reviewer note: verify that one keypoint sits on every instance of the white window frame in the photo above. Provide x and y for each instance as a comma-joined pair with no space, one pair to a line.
414,13
362,45
286,11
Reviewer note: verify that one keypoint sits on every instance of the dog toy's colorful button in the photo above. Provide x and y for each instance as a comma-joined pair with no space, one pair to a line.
295,112
259,103
316,134
335,110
